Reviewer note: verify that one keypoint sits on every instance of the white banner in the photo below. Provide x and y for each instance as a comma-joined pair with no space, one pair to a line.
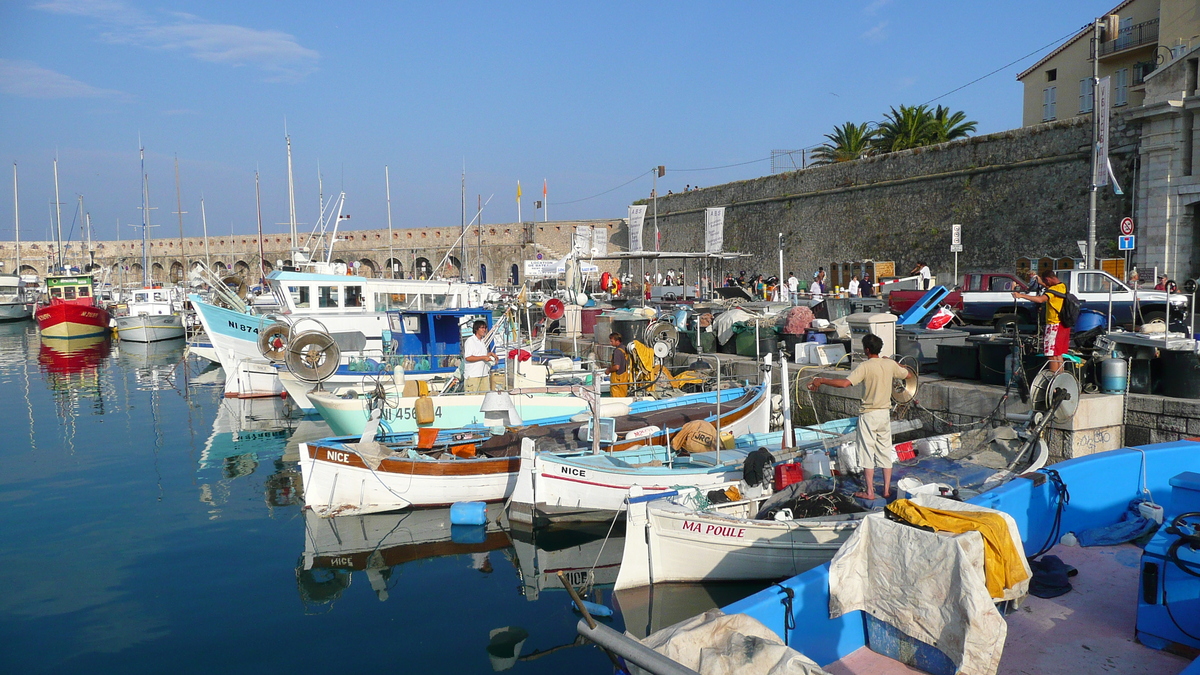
599,241
714,229
1100,166
637,217
582,243
553,268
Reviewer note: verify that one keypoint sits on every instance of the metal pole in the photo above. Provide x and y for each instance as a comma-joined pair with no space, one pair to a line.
787,403
779,284
1091,245
955,282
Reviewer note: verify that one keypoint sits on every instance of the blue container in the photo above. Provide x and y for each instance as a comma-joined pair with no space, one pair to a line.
1114,374
1089,319
816,336
468,513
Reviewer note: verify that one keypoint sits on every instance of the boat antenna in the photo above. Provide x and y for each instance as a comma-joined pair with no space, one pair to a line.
391,263
262,263
291,190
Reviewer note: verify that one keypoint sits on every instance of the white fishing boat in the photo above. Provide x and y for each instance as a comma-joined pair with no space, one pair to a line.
584,486
671,540
150,315
16,304
439,467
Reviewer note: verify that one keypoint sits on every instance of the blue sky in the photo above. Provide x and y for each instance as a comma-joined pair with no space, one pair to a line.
585,95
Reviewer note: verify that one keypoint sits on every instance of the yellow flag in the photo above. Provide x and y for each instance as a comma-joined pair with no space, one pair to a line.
518,190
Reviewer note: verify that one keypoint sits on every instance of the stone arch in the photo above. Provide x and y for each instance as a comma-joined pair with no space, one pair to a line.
220,268
176,271
395,268
136,270
483,272
422,268
514,274
453,267
26,269
241,269
367,268
157,272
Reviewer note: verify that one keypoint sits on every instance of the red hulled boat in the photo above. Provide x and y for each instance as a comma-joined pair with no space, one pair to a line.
70,310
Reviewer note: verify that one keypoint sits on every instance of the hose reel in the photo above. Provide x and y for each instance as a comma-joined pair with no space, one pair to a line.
313,357
273,341
236,284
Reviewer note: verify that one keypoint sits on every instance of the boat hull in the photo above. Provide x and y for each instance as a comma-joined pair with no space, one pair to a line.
149,327
348,417
725,544
338,482
64,320
16,311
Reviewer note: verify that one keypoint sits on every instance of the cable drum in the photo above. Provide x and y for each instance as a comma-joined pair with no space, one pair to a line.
313,356
273,341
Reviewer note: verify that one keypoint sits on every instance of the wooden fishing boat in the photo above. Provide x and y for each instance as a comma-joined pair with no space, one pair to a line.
149,316
347,476
69,309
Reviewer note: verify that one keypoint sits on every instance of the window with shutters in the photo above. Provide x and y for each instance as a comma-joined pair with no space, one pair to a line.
1049,96
1087,90
1121,87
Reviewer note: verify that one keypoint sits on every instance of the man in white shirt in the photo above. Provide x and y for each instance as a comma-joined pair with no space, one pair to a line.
478,360
793,288
926,281
852,287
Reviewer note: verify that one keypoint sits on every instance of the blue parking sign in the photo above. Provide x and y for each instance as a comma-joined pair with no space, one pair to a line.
1126,243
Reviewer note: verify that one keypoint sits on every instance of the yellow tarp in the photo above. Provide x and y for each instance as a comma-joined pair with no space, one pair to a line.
1003,566
646,371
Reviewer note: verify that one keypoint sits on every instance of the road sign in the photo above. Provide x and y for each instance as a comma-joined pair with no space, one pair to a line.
956,248
1126,226
1082,248
956,237
1125,243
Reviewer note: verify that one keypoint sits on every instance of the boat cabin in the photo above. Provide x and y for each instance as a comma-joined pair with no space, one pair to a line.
430,340
75,290
309,293
12,289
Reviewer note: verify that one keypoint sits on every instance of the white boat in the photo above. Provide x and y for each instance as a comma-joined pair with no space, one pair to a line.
345,476
582,486
150,315
670,540
16,304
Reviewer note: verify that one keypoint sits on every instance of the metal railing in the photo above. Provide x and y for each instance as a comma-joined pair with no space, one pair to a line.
1141,69
1135,36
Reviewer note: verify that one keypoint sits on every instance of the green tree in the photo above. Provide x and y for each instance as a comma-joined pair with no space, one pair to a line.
949,126
908,127
847,142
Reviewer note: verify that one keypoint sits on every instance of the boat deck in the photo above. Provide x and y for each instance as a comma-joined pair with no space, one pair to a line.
1089,630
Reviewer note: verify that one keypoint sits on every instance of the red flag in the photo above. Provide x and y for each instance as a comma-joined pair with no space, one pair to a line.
543,189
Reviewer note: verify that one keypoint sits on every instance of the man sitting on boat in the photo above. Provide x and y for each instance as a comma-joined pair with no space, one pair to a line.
874,434
479,359
618,373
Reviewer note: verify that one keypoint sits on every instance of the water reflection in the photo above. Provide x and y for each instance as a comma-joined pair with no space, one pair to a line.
378,545
588,556
74,375
155,365
246,432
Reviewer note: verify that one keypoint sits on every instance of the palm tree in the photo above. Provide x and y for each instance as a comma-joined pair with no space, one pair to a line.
949,126
908,127
847,142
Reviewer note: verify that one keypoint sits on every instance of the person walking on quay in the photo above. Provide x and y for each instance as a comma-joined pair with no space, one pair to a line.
866,288
852,287
793,285
1056,338
874,433
478,358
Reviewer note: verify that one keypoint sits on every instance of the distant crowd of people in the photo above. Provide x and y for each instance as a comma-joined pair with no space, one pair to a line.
793,289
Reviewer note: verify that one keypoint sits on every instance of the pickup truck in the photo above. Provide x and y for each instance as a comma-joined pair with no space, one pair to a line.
979,299
987,299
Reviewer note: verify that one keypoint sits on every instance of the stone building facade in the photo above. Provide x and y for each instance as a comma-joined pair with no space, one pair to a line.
493,252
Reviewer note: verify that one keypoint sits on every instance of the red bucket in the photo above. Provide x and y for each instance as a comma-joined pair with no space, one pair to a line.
905,452
786,474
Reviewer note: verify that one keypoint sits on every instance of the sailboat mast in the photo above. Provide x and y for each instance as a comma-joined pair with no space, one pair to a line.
180,211
391,263
17,218
87,223
291,197
82,225
58,210
145,222
262,262
204,222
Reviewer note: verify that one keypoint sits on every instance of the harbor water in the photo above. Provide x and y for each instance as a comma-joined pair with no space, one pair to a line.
152,525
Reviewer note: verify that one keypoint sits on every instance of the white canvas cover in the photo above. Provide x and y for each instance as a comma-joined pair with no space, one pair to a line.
715,643
929,585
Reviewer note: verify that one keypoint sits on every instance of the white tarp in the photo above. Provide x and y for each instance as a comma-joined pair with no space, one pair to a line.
714,229
723,324
715,643
599,241
928,585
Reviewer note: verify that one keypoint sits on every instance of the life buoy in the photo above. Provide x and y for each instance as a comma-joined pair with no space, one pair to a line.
605,280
